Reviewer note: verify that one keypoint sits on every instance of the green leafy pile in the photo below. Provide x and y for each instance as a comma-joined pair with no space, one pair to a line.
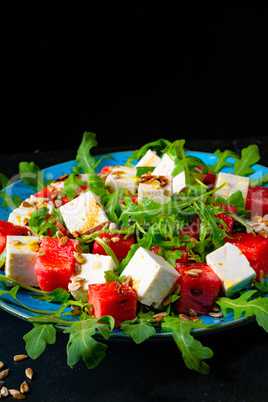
153,225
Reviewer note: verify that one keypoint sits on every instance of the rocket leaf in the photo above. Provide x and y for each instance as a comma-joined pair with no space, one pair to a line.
249,156
83,157
32,175
193,352
82,345
247,305
222,160
37,339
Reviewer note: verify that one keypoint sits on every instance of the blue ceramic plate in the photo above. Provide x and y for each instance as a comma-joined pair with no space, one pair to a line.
20,189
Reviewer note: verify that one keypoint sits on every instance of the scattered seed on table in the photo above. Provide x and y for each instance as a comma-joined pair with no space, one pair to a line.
4,391
4,374
19,358
29,373
24,387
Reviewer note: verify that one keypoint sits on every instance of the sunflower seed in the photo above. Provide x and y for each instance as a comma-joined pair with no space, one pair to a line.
63,240
127,281
115,239
4,391
177,289
18,358
13,391
79,257
24,387
215,315
78,248
192,313
2,365
184,317
161,314
167,300
59,234
4,374
29,373
261,276
18,395
74,286
77,268
191,272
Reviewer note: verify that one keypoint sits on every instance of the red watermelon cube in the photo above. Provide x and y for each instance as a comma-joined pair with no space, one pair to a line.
255,248
227,219
118,244
257,200
9,229
197,292
112,298
55,264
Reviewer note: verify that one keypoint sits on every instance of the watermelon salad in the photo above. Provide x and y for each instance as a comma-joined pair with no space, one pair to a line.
152,245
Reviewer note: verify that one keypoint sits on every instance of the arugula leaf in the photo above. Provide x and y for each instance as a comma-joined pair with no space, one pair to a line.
248,306
259,182
2,258
145,242
108,250
156,146
32,175
209,223
83,157
236,200
4,180
148,210
140,332
10,202
221,161
38,223
249,156
58,295
193,352
191,161
174,149
140,170
96,183
141,328
82,345
37,339
70,186
114,207
111,276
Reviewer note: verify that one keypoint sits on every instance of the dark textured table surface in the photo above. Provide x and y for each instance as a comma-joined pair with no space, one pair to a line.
152,371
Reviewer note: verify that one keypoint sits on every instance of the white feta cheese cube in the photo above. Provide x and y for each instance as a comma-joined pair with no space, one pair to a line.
232,184
179,182
123,177
84,214
233,268
21,215
149,159
165,167
157,188
92,271
153,278
21,254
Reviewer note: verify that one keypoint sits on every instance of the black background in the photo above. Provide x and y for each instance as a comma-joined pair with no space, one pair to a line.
130,73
